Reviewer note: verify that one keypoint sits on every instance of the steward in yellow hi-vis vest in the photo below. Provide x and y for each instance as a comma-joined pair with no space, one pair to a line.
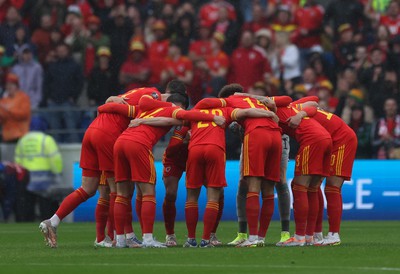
38,153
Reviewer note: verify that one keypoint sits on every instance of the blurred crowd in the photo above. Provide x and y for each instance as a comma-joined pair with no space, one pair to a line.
347,52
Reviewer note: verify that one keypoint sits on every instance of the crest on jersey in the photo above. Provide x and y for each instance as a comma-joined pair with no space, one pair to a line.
168,169
154,95
178,127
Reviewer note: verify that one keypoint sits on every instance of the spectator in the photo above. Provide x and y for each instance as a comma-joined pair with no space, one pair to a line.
201,47
39,154
287,66
30,75
363,131
120,30
394,53
136,71
209,12
184,32
341,12
360,58
248,65
9,28
228,28
215,66
310,81
76,35
41,37
15,111
56,38
95,40
386,131
57,10
324,93
391,19
283,21
321,68
5,63
274,5
100,83
158,51
62,86
308,20
259,20
177,66
382,37
356,98
345,48
21,41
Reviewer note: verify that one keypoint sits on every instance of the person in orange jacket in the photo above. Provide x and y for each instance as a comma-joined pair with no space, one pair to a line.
15,110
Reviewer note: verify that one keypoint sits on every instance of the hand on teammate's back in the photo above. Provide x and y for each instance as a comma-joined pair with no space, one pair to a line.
219,120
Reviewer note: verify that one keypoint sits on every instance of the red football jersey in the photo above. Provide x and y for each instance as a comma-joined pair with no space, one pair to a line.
115,124
249,124
206,133
176,152
309,131
179,66
310,19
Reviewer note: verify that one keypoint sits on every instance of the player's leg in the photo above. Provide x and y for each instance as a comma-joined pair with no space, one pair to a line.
131,239
314,208
210,215
120,211
213,237
72,201
318,236
267,209
192,215
169,209
282,190
113,196
334,208
101,214
148,214
252,210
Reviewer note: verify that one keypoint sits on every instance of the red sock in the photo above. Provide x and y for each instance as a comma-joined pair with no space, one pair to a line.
169,212
110,221
267,210
252,211
101,216
148,213
128,221
138,207
220,211
192,217
318,226
120,209
313,210
71,202
300,208
209,219
334,202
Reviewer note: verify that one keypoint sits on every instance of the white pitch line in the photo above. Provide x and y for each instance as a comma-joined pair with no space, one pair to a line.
350,268
391,193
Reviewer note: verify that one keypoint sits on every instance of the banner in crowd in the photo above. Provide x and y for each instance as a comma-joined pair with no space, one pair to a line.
372,194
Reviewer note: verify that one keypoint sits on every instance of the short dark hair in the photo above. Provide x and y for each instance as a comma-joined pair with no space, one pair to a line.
179,98
176,86
229,90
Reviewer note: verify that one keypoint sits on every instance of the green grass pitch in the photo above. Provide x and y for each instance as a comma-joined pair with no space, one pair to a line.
367,247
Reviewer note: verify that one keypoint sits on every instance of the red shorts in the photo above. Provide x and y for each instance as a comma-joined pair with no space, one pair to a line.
133,162
262,153
173,170
343,155
314,159
205,166
97,153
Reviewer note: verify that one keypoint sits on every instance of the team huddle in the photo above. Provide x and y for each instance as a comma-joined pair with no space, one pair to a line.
117,159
